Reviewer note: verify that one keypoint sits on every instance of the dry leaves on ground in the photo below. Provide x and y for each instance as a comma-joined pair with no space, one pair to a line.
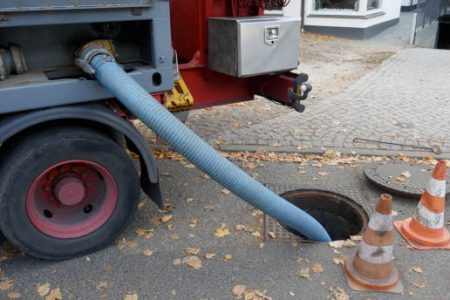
6,284
339,260
123,243
147,253
226,192
304,273
416,269
174,236
420,285
13,295
317,268
241,291
210,255
338,293
166,218
43,289
222,231
130,296
177,262
228,257
192,251
55,294
101,285
145,233
193,222
342,243
193,262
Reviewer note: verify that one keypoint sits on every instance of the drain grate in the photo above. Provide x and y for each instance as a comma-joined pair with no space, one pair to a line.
351,197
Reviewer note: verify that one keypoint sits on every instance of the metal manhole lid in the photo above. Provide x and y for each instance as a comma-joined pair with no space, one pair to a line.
274,231
388,176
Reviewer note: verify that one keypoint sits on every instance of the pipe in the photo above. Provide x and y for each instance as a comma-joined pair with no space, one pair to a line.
182,139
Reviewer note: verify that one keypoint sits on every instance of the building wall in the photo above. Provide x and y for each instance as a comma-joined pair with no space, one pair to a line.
390,10
408,2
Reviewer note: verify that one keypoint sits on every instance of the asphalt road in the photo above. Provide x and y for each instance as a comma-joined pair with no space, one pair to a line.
270,265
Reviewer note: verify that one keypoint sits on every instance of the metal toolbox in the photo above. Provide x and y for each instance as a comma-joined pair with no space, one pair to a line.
243,47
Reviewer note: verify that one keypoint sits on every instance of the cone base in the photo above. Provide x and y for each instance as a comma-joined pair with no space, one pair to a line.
419,241
359,282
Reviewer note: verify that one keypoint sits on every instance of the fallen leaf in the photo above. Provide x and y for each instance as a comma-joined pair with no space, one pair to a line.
142,203
13,295
356,238
401,178
145,233
123,243
130,296
420,285
190,166
210,255
239,290
174,237
147,253
226,192
188,200
416,269
340,260
6,284
256,234
193,262
205,176
192,251
166,208
406,174
193,222
323,173
342,243
55,294
101,285
271,234
304,273
228,257
221,232
317,268
338,293
239,227
177,262
166,218
249,166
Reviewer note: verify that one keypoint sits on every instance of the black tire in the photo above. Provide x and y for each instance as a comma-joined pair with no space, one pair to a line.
32,155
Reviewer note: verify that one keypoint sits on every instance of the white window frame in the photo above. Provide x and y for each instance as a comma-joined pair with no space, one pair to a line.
363,11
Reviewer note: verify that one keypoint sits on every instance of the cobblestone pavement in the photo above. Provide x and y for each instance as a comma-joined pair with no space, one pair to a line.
403,101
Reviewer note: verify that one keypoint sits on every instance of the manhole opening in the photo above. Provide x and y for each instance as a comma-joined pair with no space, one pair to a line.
341,216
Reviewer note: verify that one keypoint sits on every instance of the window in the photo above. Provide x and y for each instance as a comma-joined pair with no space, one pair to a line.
373,4
337,5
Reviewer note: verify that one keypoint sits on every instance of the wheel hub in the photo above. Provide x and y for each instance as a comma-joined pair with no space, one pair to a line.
72,199
70,191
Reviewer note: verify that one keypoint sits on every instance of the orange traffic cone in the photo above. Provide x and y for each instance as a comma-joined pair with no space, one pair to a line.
425,230
372,268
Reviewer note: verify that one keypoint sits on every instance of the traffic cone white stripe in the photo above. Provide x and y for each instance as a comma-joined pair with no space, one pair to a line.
380,222
375,254
428,218
436,187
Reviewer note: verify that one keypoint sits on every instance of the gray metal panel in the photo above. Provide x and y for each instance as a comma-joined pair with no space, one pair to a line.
240,46
22,97
39,5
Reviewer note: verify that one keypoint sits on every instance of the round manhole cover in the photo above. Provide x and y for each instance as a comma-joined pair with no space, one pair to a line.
400,178
341,216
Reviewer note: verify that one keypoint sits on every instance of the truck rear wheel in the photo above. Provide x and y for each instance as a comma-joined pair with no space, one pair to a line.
65,192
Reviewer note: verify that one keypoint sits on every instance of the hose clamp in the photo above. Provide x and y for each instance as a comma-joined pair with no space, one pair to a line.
87,55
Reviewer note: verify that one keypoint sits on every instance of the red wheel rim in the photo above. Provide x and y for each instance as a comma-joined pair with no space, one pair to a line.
71,199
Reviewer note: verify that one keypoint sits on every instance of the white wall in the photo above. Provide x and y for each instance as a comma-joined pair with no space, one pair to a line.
408,2
391,9
293,9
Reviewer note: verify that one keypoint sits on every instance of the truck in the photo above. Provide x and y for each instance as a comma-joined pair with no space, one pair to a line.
67,183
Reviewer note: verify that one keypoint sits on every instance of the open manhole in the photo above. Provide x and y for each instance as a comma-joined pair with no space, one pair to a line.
340,215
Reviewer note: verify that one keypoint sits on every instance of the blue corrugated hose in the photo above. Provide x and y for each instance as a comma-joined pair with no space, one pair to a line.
197,151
